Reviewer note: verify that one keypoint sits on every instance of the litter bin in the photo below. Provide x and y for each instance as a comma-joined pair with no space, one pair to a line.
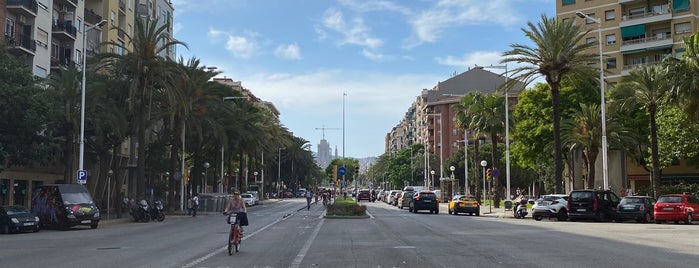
508,205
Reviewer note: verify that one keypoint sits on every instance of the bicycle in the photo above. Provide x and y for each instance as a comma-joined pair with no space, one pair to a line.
235,236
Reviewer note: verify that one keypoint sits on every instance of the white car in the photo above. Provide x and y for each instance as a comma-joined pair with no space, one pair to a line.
551,205
249,199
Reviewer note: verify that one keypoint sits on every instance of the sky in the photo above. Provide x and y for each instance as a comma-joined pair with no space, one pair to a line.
352,64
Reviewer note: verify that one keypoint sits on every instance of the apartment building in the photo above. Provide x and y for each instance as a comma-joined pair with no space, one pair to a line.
635,33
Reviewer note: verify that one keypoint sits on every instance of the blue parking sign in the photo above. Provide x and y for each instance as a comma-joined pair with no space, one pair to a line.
82,176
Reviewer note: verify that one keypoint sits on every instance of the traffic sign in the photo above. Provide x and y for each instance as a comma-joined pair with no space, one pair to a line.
82,176
341,171
496,173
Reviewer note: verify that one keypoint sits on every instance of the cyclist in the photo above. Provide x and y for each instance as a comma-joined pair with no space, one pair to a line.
236,205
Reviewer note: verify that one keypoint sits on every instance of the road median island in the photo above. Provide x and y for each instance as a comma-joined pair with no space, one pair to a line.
345,209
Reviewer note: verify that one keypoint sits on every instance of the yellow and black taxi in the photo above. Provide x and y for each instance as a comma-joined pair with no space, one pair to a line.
464,204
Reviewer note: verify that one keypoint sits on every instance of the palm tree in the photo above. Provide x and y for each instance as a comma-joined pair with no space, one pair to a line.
685,77
142,65
650,88
559,50
584,130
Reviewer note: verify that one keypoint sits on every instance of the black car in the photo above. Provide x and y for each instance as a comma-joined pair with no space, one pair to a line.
17,218
639,208
424,200
598,205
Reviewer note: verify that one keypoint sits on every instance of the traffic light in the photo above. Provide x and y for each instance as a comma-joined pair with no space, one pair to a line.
356,170
489,173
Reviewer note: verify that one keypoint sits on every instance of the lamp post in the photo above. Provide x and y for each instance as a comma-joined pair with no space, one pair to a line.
206,176
484,164
109,190
430,187
601,93
82,94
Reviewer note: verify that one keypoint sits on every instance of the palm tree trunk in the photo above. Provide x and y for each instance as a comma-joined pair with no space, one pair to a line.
590,155
475,159
652,110
496,184
558,155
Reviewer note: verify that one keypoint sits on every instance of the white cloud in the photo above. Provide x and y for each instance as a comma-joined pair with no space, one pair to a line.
353,32
240,46
375,56
428,25
290,51
375,5
480,58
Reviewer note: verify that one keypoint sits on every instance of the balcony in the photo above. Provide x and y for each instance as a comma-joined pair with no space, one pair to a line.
64,30
658,41
91,17
626,70
645,18
69,4
23,7
61,63
122,7
21,44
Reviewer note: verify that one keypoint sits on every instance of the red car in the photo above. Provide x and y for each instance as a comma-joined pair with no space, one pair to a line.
676,207
364,195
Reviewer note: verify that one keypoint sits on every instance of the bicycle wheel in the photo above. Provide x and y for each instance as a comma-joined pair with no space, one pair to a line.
230,242
236,238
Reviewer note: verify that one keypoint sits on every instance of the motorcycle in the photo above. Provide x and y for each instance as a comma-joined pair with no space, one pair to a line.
140,211
521,210
157,211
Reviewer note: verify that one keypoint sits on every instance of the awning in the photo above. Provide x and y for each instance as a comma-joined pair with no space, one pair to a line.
680,5
659,48
633,51
631,31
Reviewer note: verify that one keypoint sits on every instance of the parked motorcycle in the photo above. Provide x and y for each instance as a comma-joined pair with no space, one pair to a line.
140,211
521,210
157,212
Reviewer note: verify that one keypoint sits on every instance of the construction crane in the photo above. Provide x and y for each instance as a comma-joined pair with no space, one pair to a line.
327,128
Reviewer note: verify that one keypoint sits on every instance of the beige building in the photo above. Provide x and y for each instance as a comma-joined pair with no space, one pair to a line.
634,33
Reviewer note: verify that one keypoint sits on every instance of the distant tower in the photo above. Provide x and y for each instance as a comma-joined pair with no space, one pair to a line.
324,154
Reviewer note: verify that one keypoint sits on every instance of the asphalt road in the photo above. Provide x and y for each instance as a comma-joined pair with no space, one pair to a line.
284,234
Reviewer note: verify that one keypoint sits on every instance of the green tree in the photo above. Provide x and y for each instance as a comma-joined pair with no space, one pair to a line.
651,89
680,137
559,50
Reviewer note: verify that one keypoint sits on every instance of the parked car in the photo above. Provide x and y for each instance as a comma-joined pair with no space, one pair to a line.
551,205
398,196
676,207
639,208
392,196
381,195
404,199
424,200
249,199
364,194
14,219
464,204
598,205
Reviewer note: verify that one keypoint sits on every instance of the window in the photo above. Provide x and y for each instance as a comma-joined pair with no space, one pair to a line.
636,12
611,63
609,15
681,28
611,39
660,8
680,5
679,52
590,40
10,27
589,20
112,18
568,2
79,26
78,57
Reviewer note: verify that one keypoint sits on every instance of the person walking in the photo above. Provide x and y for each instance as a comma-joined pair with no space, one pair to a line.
195,204
308,200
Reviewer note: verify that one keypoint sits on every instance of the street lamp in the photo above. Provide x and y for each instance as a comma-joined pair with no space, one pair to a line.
206,176
279,172
484,164
601,93
82,94
109,190
431,172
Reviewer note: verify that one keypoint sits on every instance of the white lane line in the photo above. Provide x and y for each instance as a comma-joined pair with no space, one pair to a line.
306,246
220,250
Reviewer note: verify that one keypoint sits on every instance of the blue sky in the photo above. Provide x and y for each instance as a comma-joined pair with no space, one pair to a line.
302,55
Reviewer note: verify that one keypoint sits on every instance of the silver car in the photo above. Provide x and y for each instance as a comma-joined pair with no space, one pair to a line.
551,205
249,199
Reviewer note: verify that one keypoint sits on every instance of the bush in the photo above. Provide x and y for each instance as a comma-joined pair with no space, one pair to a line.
346,208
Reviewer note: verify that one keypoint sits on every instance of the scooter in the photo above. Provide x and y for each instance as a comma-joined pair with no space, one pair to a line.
140,211
157,211
521,210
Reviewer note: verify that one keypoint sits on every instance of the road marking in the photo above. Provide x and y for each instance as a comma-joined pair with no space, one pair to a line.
220,250
306,246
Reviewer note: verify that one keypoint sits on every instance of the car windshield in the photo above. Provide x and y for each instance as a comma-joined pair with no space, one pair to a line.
246,196
15,210
670,199
550,198
631,201
582,196
466,198
76,198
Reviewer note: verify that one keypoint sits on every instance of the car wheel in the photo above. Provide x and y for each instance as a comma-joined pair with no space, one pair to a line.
5,229
658,222
449,211
617,220
538,217
689,218
478,213
455,212
436,211
562,214
93,226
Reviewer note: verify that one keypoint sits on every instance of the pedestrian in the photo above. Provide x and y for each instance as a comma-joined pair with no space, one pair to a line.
308,200
195,204
622,193
190,205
